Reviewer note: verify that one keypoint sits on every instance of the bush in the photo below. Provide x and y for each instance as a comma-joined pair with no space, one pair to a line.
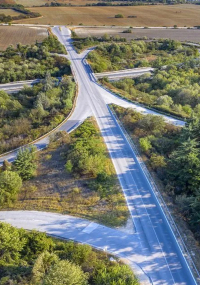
10,184
119,16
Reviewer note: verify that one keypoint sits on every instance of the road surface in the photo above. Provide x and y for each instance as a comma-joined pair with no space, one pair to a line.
16,86
127,73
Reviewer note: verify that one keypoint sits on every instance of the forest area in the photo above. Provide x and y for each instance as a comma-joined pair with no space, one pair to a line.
174,155
33,258
34,111
173,87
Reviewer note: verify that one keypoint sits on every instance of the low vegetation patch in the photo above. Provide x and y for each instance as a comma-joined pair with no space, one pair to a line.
174,90
23,13
83,43
34,258
34,111
30,62
74,176
116,56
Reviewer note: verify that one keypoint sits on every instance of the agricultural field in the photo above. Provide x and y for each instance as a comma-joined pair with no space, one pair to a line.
9,12
7,2
10,35
190,35
155,16
31,3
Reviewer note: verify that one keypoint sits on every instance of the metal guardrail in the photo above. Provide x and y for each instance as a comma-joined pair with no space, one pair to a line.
164,206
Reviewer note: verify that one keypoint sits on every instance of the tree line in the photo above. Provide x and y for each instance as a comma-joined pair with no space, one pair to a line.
34,258
33,61
114,56
174,89
34,111
174,154
24,13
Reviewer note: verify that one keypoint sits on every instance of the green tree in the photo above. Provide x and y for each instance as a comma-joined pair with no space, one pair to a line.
145,144
42,264
25,164
65,273
69,166
48,82
12,241
157,161
116,275
119,16
184,166
10,184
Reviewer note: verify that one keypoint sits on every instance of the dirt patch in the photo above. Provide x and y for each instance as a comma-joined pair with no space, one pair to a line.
11,35
190,35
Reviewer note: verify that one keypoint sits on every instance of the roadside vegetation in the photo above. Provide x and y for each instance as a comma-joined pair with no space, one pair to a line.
30,62
173,154
23,13
34,258
34,111
174,90
114,56
84,43
74,175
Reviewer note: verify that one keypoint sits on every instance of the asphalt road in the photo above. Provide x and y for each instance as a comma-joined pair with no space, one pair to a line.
160,255
16,86
127,73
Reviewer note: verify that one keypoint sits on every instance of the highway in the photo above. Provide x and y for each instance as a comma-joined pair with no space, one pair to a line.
16,86
13,87
158,253
161,257
127,73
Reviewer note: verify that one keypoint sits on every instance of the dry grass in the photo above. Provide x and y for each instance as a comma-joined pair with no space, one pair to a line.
191,35
31,3
7,2
9,12
10,35
56,191
160,15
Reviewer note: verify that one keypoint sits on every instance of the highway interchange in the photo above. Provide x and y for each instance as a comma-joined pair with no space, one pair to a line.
156,250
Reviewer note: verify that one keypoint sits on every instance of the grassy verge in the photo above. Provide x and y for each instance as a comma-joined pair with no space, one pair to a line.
85,191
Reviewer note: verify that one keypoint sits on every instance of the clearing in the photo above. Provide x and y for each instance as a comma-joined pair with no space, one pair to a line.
155,16
11,35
